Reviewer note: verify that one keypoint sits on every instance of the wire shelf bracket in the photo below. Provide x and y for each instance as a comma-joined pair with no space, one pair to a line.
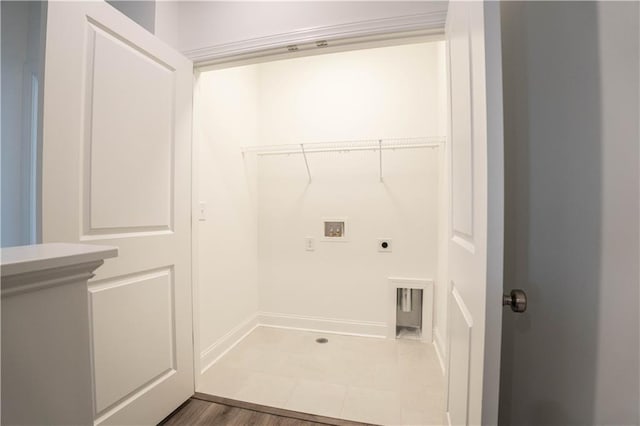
380,148
306,162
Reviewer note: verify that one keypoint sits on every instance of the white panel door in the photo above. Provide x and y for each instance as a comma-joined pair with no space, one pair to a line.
476,223
116,171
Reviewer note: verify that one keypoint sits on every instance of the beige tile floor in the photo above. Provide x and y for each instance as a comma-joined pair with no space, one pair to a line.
380,381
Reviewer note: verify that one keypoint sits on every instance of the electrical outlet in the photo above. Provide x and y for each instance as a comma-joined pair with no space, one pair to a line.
384,245
309,244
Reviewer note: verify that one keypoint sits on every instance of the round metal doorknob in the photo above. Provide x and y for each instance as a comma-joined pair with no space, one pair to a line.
517,299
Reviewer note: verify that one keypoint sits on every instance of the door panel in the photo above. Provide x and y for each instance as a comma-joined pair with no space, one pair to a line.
123,119
460,325
476,234
116,170
461,131
146,301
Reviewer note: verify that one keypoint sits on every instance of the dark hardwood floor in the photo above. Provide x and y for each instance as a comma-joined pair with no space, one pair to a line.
204,409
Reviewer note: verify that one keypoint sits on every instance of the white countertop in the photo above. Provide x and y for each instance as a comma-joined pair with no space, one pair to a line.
22,259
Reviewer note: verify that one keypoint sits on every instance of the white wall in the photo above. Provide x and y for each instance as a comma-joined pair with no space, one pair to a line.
377,93
205,24
345,281
227,118
572,234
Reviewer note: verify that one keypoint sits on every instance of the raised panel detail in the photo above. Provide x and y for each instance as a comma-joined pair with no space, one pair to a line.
133,329
460,325
129,138
461,131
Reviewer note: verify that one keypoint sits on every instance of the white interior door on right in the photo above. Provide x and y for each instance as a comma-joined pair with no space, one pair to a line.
475,239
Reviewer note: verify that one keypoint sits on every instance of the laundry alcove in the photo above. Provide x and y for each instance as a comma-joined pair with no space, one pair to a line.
353,137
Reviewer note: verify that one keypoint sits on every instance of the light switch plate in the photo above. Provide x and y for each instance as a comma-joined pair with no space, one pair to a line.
202,211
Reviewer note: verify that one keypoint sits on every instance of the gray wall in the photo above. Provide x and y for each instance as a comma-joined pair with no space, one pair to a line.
23,45
142,11
23,25
572,238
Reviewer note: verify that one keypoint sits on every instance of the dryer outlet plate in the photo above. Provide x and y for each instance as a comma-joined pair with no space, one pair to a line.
385,245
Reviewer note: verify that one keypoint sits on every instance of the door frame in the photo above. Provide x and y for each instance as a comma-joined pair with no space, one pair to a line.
346,35
495,219
363,35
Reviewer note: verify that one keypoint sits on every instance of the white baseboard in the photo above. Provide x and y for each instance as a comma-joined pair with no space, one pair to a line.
220,347
438,343
324,325
210,356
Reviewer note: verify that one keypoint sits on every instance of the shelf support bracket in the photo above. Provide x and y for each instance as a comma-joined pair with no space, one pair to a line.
380,149
306,162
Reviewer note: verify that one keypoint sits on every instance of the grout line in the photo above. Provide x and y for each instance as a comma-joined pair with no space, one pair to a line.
293,388
344,401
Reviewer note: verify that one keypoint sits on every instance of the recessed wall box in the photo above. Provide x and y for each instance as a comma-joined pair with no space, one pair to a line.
334,229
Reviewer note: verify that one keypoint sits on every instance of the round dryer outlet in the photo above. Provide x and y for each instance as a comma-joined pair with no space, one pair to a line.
384,245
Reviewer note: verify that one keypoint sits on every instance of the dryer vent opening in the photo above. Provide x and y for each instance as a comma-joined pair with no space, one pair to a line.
408,313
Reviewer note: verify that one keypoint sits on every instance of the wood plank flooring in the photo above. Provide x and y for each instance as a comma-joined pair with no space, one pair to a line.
211,410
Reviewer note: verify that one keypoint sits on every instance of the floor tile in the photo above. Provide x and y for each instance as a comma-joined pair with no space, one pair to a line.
380,381
266,389
421,398
325,399
372,406
223,381
422,418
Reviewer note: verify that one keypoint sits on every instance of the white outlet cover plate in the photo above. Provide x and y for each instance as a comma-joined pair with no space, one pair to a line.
309,244
389,245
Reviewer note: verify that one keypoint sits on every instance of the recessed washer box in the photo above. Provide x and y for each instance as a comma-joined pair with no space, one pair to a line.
335,229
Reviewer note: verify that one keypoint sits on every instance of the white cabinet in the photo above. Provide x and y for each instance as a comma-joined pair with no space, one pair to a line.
46,352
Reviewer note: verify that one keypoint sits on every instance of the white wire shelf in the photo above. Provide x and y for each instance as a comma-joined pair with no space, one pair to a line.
346,146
